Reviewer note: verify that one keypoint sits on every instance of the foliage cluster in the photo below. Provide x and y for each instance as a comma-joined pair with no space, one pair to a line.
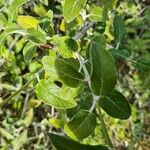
76,68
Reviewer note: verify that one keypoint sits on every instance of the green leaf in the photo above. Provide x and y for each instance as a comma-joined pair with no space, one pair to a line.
52,95
36,36
46,20
72,8
27,22
143,63
99,39
120,54
49,65
116,105
119,29
103,77
9,29
81,126
63,143
65,46
3,19
29,51
12,9
98,14
67,70
69,92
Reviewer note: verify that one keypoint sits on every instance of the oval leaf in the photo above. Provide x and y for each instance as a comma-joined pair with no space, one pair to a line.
52,95
72,8
120,54
64,143
29,51
67,70
116,105
65,46
27,22
81,126
36,36
119,29
103,77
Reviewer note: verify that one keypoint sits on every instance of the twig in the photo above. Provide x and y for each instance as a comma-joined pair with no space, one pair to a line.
95,100
80,34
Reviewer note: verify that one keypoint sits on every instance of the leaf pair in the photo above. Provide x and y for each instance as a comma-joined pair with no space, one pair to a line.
103,80
66,71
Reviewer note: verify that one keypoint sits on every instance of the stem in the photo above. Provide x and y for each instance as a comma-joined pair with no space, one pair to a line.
10,98
95,99
81,61
107,138
118,44
83,31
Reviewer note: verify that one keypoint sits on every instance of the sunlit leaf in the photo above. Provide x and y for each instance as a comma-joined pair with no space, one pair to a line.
52,95
98,14
27,22
29,51
72,8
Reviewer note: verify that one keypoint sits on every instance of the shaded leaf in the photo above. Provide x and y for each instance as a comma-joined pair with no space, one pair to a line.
119,29
81,126
63,143
103,77
67,70
99,39
143,63
46,20
116,105
120,54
